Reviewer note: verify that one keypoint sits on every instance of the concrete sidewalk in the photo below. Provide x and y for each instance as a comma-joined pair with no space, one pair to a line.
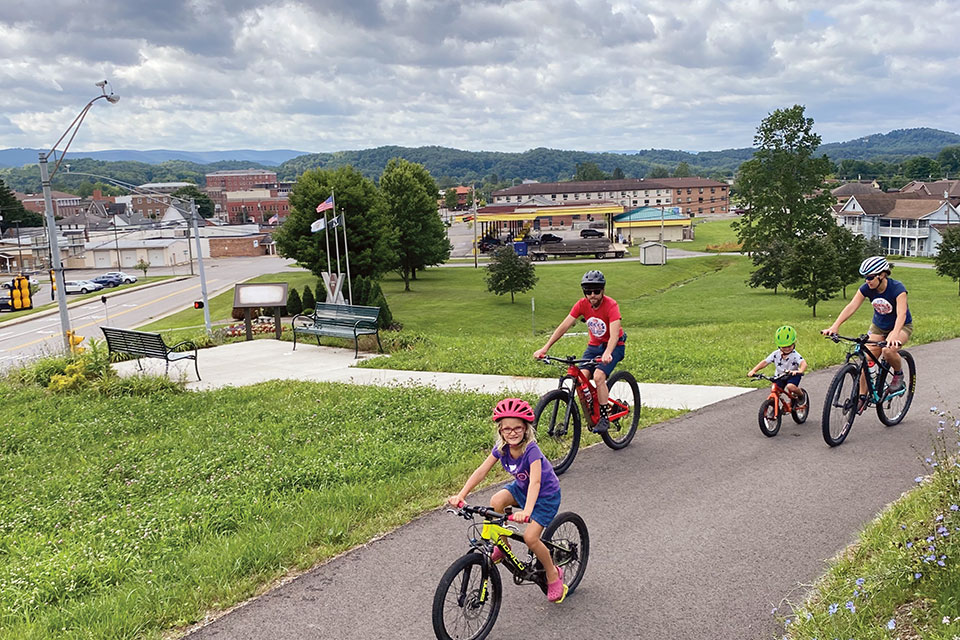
246,363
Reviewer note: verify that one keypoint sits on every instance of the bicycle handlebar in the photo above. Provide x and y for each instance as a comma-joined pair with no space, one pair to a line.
861,340
569,360
467,511
773,380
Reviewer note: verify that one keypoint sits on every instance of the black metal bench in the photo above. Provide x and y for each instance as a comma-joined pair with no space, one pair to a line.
338,321
148,345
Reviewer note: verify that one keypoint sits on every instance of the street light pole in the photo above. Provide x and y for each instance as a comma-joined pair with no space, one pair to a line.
45,176
203,278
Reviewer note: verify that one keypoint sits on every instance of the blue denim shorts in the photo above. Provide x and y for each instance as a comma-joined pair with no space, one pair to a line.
596,350
546,508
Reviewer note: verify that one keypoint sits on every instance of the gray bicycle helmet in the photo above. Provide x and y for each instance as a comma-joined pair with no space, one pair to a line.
874,264
593,277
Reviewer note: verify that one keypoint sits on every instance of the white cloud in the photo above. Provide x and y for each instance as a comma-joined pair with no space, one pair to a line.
479,74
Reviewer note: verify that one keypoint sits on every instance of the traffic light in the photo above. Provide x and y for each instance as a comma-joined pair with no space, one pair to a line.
20,294
53,282
198,304
74,340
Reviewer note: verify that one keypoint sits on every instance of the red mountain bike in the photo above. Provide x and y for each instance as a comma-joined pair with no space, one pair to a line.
778,403
558,417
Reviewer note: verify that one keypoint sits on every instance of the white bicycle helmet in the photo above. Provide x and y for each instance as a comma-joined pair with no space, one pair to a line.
874,264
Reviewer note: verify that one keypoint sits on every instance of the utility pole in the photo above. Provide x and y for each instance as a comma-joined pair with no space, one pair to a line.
203,278
55,264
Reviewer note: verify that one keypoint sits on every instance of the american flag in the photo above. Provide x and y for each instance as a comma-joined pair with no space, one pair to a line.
326,204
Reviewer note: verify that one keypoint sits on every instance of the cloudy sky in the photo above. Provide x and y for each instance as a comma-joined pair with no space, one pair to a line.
501,75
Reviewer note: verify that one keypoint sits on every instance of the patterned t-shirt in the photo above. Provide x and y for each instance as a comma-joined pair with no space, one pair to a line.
519,468
885,304
599,319
784,363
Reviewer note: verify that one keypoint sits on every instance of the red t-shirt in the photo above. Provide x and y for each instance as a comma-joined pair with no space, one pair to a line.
599,319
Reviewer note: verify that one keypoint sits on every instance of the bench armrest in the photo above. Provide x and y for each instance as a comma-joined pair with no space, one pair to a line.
190,343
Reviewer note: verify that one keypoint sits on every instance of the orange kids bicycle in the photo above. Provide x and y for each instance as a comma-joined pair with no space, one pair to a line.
558,416
778,403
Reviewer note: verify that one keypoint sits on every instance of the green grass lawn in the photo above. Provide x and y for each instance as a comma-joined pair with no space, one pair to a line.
122,517
709,232
690,321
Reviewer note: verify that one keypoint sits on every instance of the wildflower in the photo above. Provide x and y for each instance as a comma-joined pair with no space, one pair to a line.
946,619
909,545
927,460
860,582
939,518
954,507
917,576
833,608
892,624
903,527
918,479
852,607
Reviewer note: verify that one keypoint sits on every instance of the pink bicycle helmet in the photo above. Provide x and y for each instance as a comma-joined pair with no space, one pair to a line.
513,408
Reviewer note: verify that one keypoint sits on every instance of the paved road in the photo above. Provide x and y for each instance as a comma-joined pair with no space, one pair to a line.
40,334
697,530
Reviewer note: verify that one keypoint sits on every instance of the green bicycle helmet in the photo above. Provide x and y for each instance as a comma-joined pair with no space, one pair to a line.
786,336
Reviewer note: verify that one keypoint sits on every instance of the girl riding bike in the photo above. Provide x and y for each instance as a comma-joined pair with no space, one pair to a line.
535,489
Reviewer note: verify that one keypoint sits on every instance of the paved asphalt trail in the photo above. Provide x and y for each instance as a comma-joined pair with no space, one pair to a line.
698,529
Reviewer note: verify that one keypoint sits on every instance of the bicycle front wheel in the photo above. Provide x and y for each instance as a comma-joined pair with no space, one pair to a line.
569,547
557,423
893,408
840,409
769,418
624,410
465,606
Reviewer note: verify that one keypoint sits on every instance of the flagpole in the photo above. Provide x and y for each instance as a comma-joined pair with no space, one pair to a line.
346,252
326,233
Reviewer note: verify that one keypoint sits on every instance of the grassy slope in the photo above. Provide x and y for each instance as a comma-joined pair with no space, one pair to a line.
124,516
690,321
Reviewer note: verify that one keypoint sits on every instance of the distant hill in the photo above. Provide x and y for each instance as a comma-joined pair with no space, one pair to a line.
448,166
273,157
896,145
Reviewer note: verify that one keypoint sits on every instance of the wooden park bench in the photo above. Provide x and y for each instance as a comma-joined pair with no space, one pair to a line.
339,321
148,345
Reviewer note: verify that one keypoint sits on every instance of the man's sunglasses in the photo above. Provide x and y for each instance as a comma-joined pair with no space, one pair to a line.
591,291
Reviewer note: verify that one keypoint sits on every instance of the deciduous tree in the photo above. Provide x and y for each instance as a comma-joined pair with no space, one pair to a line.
450,199
204,204
370,239
948,255
588,171
811,271
510,273
411,207
682,170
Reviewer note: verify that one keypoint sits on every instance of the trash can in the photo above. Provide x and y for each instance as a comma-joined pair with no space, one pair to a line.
520,248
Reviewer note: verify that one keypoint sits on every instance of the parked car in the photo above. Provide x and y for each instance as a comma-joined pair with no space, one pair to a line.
125,278
591,233
81,286
8,281
549,237
107,280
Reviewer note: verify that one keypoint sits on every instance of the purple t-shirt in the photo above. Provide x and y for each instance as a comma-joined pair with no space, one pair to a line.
520,469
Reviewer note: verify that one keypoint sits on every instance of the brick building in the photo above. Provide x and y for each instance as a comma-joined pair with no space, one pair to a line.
251,245
240,179
694,196
64,204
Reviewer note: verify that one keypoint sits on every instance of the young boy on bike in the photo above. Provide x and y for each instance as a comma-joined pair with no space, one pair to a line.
892,320
602,315
790,365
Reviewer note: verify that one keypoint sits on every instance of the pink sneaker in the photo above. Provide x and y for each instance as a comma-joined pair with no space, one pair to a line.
556,590
497,555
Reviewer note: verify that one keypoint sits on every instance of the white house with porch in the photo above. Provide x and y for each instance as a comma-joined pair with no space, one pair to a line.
904,225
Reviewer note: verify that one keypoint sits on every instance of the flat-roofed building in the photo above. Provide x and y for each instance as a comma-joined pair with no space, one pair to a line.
694,196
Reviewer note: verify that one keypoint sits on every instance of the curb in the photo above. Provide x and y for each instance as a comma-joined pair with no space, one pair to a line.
77,303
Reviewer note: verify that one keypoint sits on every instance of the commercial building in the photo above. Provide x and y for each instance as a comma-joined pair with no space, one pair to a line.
693,196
